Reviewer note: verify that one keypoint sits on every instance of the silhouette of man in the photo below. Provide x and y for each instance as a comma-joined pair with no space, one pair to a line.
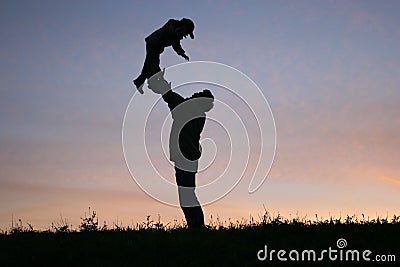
168,35
189,116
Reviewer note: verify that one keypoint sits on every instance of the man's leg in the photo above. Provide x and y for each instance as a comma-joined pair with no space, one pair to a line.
187,198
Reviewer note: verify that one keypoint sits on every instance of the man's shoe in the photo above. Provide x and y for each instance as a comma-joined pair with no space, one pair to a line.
139,85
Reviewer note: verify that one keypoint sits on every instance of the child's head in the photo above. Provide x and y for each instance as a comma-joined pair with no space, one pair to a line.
188,27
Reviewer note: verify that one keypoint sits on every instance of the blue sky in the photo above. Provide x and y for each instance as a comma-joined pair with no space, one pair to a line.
329,69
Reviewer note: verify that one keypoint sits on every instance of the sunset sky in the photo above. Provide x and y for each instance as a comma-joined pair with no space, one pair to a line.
330,71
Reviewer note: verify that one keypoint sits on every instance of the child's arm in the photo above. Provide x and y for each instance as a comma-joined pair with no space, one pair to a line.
179,50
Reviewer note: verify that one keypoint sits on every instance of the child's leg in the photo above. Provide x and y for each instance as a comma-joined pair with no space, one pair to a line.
152,61
151,66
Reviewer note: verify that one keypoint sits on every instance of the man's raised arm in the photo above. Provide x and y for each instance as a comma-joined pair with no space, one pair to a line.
172,99
159,85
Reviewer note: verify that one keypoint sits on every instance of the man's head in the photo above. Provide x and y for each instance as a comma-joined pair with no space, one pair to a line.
188,27
205,100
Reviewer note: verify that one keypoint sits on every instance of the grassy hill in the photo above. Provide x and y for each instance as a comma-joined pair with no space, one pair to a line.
233,244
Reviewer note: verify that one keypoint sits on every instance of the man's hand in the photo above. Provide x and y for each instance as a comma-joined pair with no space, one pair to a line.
158,84
185,57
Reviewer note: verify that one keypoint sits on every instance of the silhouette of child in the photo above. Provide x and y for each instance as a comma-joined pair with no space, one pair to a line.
168,35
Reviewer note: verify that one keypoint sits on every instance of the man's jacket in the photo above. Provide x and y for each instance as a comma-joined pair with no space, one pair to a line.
188,123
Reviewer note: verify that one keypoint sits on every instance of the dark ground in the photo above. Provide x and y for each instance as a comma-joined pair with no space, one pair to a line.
183,247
